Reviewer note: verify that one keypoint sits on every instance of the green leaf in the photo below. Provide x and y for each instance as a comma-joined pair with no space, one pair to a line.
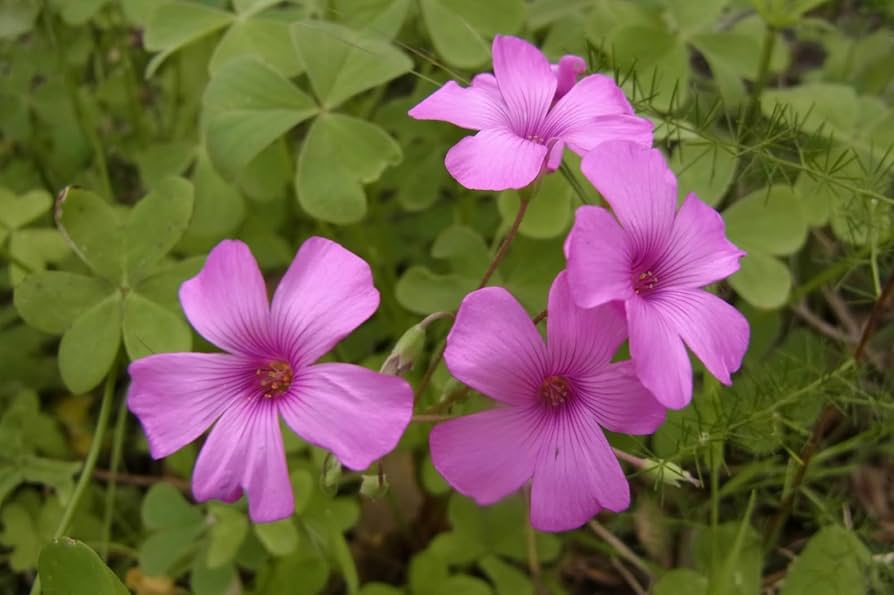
165,507
162,286
32,249
155,226
89,346
767,220
280,538
681,580
507,579
176,24
694,16
735,52
735,552
498,529
94,230
248,105
340,154
18,211
342,62
703,169
301,573
159,552
382,17
78,13
214,581
51,301
69,567
827,107
763,281
817,198
660,59
150,328
459,28
266,39
833,563
17,17
219,207
21,534
548,214
228,530
160,160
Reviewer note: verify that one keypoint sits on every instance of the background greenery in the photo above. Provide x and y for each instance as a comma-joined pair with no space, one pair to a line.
169,125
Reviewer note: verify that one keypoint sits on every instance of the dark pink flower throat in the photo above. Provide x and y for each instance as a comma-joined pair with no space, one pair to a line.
275,378
555,391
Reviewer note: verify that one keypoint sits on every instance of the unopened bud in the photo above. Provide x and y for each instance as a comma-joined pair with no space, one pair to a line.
405,352
374,486
453,390
670,473
331,475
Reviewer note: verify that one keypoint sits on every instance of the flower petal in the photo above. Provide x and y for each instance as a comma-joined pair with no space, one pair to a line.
567,71
715,331
599,259
227,301
494,348
526,82
495,159
488,455
641,190
177,396
619,400
471,108
352,411
698,253
244,451
658,354
326,293
593,96
601,129
581,340
576,474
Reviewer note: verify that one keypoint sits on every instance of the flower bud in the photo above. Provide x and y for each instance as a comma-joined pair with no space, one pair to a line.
374,486
453,390
669,473
331,475
405,352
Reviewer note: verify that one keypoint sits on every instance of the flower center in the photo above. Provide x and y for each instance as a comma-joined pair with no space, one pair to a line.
536,138
645,282
275,378
555,390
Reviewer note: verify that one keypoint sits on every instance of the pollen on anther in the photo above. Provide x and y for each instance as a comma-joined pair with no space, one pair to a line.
275,378
555,391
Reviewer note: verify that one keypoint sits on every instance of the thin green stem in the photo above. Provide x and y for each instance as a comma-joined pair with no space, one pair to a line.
525,195
760,82
102,421
111,488
71,87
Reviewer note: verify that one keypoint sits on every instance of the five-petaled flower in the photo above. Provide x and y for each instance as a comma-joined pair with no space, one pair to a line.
554,400
527,112
268,373
656,259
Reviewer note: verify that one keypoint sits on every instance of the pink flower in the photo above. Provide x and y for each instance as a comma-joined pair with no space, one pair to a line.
553,400
527,112
655,259
268,373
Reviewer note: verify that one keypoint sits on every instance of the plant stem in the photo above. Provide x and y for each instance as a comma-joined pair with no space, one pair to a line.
525,195
74,98
89,463
531,539
760,82
620,547
827,417
111,488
